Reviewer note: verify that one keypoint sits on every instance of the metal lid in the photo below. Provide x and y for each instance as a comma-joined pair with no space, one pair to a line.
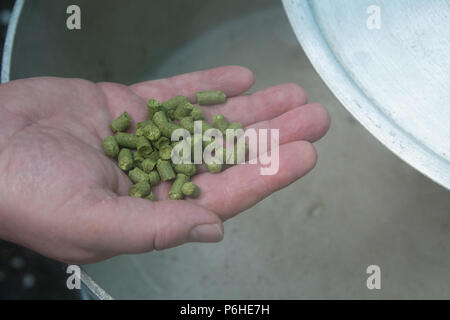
388,62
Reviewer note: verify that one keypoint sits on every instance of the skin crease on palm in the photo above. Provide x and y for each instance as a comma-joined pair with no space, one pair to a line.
61,196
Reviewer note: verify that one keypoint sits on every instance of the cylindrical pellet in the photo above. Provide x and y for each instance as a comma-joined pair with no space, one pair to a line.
139,190
187,123
140,126
195,140
197,113
144,147
168,129
162,141
125,159
223,154
165,170
127,140
148,129
151,197
160,118
154,178
137,175
111,147
171,114
214,167
183,110
205,126
174,102
235,126
120,124
188,169
151,131
153,106
220,122
165,152
175,191
190,189
148,164
211,97
177,150
138,159
165,126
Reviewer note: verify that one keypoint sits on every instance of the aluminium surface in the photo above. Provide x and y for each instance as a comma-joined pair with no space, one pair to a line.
394,78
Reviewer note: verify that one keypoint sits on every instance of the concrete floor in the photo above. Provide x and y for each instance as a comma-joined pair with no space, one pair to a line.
360,206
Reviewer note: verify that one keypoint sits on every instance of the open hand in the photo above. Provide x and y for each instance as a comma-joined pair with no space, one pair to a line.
61,196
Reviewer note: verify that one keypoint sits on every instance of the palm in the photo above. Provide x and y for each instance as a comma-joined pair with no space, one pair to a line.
58,180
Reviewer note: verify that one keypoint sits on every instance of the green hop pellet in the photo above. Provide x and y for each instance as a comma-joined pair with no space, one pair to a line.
111,147
190,189
149,163
165,170
139,190
197,113
125,159
161,142
214,167
220,122
148,129
153,106
223,154
165,152
175,192
154,178
195,140
206,126
160,118
127,140
154,156
178,151
144,147
138,159
183,110
122,123
211,97
151,197
188,169
171,114
174,102
187,123
151,132
235,126
168,129
140,127
164,125
137,175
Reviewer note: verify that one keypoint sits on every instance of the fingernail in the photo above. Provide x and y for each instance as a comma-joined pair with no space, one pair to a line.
206,233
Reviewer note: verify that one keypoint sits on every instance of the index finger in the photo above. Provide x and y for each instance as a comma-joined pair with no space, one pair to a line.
233,80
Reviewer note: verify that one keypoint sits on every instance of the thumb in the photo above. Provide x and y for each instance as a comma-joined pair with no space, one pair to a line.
129,225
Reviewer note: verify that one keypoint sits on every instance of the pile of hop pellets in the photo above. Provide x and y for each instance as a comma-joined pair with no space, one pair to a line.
146,155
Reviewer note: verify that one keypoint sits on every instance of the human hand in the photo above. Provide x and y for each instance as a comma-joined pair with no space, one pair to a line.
61,196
